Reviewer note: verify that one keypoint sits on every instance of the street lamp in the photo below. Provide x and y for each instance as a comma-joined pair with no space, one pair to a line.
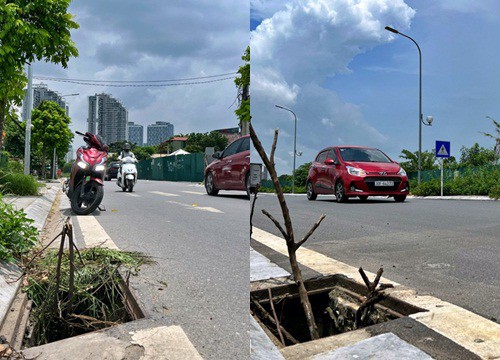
294,145
421,121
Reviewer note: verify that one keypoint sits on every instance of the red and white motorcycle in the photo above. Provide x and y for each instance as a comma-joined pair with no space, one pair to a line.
85,185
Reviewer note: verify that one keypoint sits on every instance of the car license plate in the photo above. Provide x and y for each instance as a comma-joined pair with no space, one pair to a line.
384,183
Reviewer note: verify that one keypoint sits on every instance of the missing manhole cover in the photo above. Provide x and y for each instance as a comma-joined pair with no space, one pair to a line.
334,300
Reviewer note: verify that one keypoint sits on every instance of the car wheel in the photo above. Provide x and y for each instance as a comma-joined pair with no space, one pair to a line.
399,198
209,184
311,195
340,192
363,197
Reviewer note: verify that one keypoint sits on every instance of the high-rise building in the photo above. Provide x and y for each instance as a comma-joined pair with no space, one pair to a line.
69,154
159,132
107,117
42,93
135,134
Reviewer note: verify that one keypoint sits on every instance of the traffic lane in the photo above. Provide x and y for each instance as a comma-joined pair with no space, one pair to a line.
445,248
201,255
355,218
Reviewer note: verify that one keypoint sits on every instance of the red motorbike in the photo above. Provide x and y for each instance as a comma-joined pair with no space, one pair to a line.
85,185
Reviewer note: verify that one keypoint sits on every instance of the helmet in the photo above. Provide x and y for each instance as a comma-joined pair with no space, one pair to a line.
126,147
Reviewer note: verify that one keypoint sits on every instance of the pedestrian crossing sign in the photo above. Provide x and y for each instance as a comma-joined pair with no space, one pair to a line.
442,149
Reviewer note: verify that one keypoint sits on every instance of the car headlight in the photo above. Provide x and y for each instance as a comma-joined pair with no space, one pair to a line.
82,165
402,172
99,168
355,171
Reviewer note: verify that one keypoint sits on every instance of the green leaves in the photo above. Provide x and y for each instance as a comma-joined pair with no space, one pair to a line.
29,31
17,235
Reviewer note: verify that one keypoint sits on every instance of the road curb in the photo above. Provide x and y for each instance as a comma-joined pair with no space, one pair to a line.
38,211
471,331
458,197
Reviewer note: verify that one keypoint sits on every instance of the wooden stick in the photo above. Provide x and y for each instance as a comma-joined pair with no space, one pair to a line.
270,318
264,211
278,326
315,226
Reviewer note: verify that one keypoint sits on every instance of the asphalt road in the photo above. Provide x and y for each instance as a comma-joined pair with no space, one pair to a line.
447,248
200,244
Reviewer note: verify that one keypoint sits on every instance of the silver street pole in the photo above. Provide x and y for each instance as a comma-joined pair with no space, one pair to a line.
27,141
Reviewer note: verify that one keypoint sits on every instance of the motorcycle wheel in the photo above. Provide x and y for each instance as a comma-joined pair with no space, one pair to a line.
91,199
130,185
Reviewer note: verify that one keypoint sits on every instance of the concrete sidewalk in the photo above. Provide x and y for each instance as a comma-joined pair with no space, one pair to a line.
36,208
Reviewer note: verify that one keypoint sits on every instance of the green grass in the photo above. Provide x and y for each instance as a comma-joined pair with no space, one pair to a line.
18,184
97,299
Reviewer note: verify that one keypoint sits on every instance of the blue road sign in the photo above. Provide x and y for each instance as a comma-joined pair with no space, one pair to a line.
442,149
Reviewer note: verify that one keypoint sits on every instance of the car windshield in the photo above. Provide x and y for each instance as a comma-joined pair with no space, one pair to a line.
116,165
363,155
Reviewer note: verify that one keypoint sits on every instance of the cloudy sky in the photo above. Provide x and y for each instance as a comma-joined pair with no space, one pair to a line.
352,82
156,40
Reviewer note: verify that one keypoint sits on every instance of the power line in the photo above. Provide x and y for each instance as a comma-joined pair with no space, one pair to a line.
132,81
139,85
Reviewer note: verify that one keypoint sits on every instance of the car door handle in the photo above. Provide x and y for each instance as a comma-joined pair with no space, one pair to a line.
229,161
247,157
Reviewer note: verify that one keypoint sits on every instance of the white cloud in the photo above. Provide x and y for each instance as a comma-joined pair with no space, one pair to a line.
296,49
157,40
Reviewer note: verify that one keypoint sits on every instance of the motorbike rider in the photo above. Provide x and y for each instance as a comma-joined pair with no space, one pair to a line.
123,154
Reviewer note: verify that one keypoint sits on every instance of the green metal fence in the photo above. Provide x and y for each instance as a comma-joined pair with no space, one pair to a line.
4,160
450,174
173,168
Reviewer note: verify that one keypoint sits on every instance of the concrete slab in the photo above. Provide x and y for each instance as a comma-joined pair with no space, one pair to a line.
8,287
261,268
261,347
155,343
386,346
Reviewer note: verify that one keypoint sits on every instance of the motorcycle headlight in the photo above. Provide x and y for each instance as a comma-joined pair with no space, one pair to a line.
402,172
355,171
82,165
99,168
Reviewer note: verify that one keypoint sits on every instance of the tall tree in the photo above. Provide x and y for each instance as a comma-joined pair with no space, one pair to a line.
496,137
476,156
243,84
29,31
411,160
51,130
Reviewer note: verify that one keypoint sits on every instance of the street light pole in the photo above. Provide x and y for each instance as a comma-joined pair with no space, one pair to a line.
27,137
294,145
420,117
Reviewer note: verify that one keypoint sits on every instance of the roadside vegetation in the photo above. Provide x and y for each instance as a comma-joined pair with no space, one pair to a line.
17,235
96,301
13,180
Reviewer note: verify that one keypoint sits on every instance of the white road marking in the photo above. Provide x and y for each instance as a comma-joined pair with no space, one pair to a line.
312,259
460,325
133,195
196,207
193,192
94,234
162,193
207,208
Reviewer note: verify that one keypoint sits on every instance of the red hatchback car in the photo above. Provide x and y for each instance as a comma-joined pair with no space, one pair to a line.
349,171
230,169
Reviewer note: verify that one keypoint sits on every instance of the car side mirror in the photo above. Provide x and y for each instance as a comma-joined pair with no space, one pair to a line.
330,162
217,155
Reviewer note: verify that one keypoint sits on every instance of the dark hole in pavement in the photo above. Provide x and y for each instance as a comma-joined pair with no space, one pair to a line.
112,303
334,300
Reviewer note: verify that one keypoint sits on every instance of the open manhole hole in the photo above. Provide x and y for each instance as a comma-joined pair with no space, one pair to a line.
334,300
100,297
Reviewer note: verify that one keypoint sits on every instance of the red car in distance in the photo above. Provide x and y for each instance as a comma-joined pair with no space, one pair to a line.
350,171
230,170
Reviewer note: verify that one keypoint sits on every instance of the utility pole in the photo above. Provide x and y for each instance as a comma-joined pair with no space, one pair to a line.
27,139
245,126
